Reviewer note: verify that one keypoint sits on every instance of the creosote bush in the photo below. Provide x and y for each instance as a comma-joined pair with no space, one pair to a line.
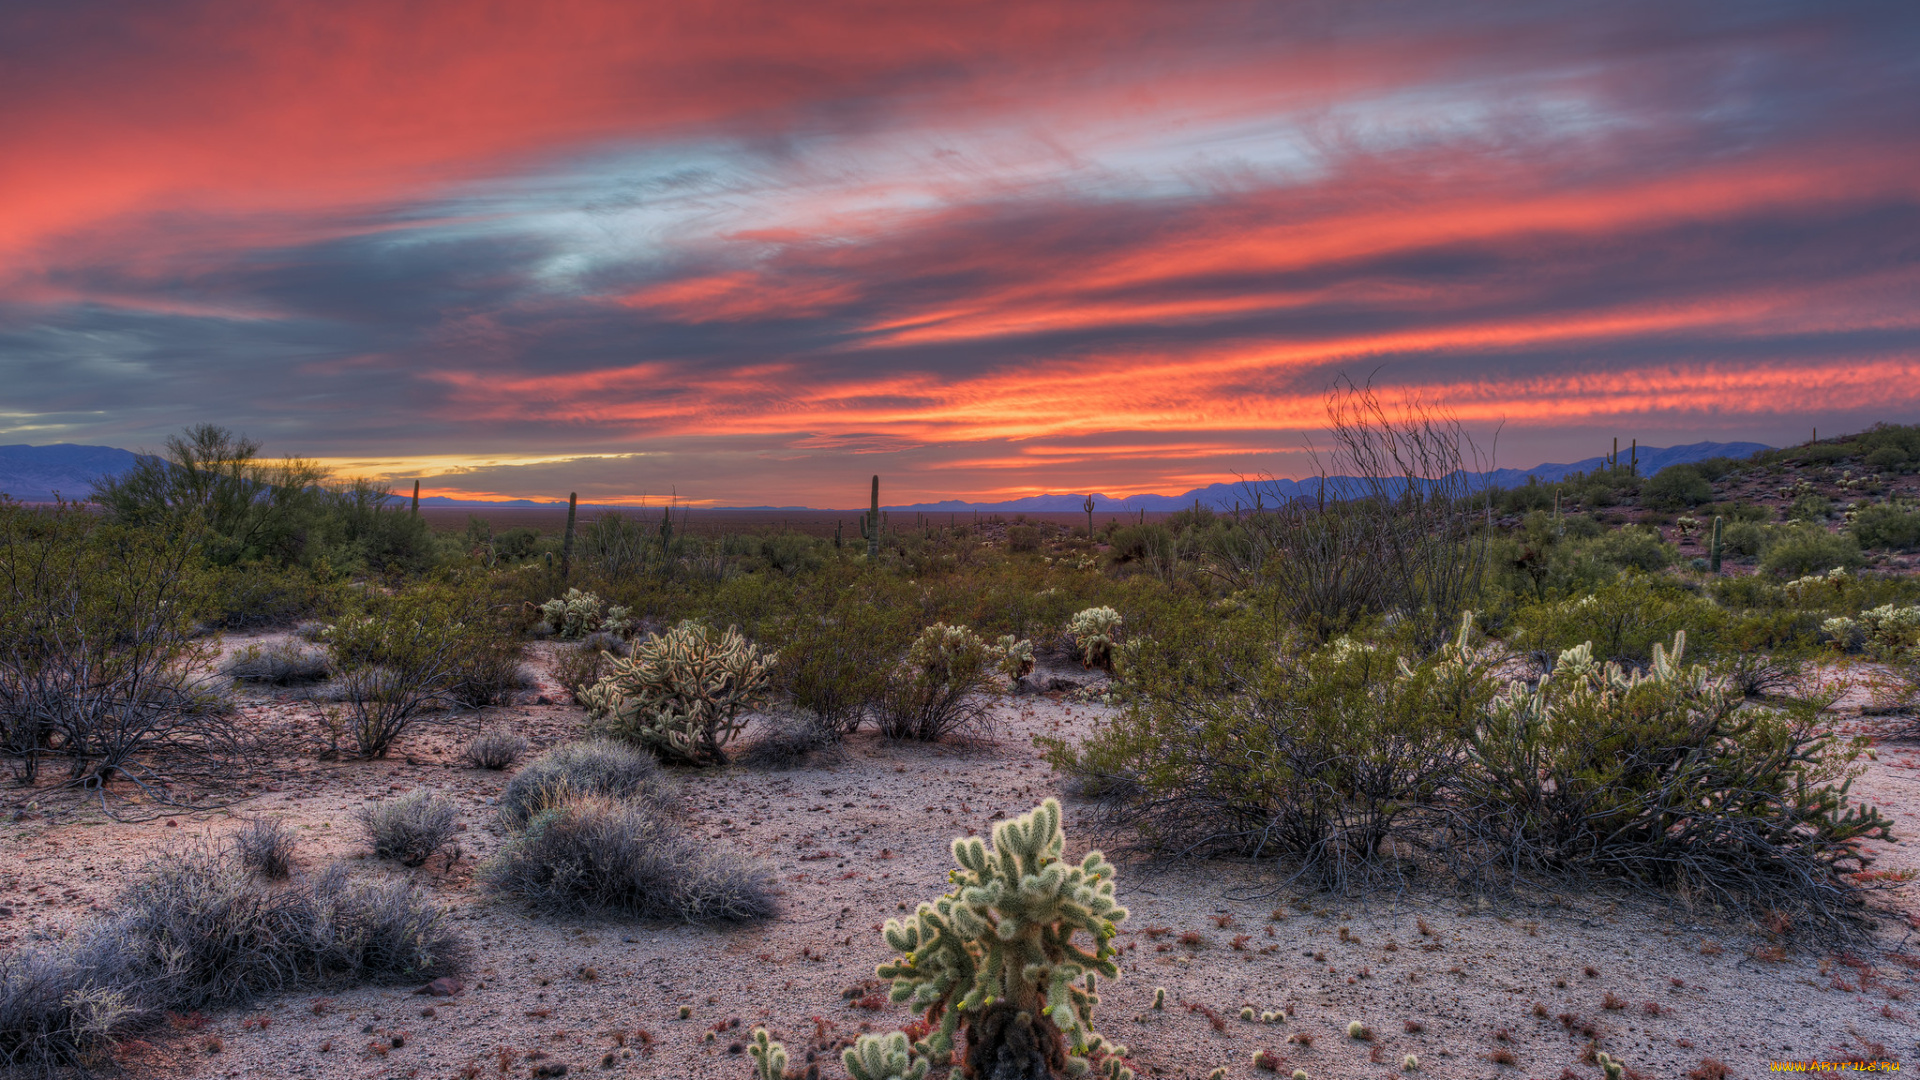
998,955
410,829
939,686
681,694
589,767
595,854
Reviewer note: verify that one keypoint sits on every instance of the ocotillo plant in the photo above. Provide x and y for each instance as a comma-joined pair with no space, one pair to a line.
997,955
1713,555
1088,507
566,544
870,523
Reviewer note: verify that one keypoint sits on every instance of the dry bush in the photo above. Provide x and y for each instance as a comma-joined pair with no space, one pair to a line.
411,828
789,742
265,846
939,687
60,1011
590,767
282,665
494,749
595,854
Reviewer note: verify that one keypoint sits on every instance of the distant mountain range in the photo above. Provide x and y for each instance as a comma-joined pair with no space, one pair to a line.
37,473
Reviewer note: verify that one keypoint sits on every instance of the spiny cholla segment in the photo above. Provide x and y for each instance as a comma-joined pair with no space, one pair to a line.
769,1057
681,693
883,1057
1094,632
1006,932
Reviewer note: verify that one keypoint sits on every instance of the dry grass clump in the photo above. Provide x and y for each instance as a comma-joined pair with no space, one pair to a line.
265,846
410,828
495,749
281,665
599,854
199,930
590,767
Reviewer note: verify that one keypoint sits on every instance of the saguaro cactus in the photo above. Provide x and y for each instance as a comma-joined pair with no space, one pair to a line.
1088,507
998,955
416,498
1713,554
870,522
566,544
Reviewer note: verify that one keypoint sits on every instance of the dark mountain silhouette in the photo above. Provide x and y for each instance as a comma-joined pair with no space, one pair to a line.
36,473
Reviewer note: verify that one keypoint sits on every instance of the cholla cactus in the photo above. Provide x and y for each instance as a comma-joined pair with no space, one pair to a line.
1094,632
883,1057
769,1057
579,613
998,954
1842,633
1614,1070
1890,630
681,693
1016,656
1410,1063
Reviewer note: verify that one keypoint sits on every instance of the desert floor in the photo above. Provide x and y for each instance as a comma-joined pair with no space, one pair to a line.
856,841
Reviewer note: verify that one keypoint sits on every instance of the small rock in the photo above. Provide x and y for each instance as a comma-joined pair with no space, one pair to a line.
445,986
545,700
551,1068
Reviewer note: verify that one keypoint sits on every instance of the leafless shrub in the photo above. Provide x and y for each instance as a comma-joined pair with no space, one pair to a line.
790,741
1393,525
581,665
590,767
595,854
60,1010
411,828
495,749
265,846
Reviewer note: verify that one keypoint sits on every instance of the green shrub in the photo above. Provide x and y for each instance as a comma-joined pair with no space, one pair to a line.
1745,537
1889,526
593,854
1633,549
939,686
280,665
1623,619
1887,459
681,694
834,663
1023,538
1314,756
1808,550
1812,508
1676,487
1666,778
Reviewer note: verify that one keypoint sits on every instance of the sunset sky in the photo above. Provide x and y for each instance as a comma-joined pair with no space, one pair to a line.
755,252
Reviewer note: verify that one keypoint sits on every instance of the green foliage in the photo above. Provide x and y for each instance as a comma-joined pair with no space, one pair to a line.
681,694
1665,777
1633,549
1676,487
1808,549
1888,459
1316,755
1887,526
834,662
998,953
937,687
1623,619
97,632
1810,508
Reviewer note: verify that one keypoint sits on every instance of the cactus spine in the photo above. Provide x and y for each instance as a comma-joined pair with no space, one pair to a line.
870,522
1713,558
998,954
566,544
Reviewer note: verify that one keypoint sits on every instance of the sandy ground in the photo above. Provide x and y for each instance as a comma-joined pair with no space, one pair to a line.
854,842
